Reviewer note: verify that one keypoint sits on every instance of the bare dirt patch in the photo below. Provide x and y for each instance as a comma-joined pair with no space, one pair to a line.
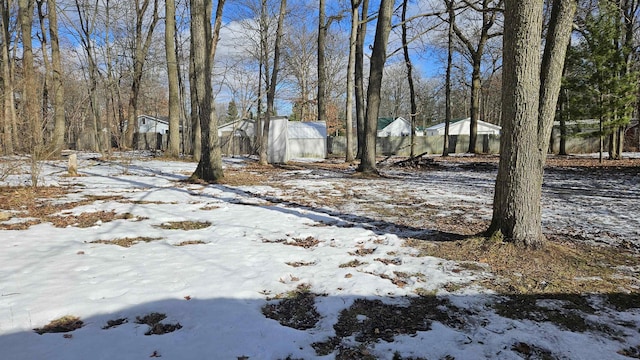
295,310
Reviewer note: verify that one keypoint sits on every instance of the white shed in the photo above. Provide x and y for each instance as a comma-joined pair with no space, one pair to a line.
287,139
307,139
398,127
153,124
462,127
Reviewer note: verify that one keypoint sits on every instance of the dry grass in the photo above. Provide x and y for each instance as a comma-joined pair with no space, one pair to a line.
37,205
252,174
184,225
190,242
88,219
62,325
126,242
557,268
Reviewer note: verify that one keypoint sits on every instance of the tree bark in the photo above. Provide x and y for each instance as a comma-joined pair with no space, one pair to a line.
412,91
378,58
30,98
210,165
447,86
359,77
57,84
173,149
196,130
355,4
263,134
322,72
530,91
8,105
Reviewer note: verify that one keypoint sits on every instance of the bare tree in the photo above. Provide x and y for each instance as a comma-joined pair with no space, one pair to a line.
447,118
322,40
87,14
271,82
378,58
299,55
409,65
489,10
355,4
359,76
203,52
530,93
30,93
56,82
173,149
141,43
7,91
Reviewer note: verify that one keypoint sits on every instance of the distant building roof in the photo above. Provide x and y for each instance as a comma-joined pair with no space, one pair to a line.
383,122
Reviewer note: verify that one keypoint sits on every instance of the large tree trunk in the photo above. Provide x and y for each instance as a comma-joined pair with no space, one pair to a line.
530,93
210,165
57,84
476,94
322,72
173,149
349,157
447,86
30,98
7,91
359,77
378,58
196,130
263,134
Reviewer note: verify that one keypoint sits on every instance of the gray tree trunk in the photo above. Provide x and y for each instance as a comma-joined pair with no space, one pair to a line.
210,165
409,65
447,86
196,131
359,77
30,103
378,58
350,157
57,84
322,72
173,149
530,92
8,105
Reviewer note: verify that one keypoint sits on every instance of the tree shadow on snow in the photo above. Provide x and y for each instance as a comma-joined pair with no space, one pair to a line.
304,325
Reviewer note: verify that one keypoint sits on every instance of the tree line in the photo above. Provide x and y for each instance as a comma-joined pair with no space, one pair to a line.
78,72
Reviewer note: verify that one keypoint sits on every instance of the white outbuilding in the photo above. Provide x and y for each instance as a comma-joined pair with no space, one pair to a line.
462,127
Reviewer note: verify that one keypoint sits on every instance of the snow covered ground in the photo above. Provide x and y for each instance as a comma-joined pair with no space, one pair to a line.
257,244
